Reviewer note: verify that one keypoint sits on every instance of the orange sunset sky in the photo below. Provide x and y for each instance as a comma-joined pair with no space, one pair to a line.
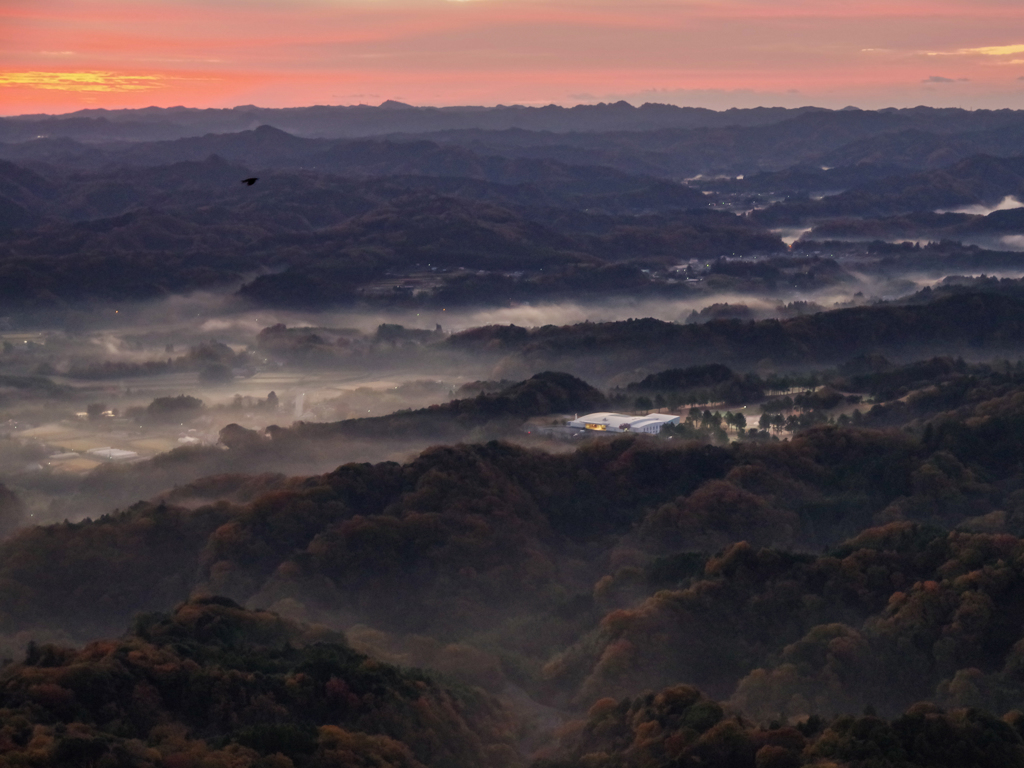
62,55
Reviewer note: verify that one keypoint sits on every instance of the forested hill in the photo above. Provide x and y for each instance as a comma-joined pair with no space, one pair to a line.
964,323
977,180
624,565
214,685
543,394
318,239
211,684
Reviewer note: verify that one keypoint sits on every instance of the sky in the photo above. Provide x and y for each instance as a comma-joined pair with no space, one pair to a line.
58,56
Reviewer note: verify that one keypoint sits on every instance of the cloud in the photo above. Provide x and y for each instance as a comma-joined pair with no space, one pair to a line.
990,50
994,50
82,81
940,79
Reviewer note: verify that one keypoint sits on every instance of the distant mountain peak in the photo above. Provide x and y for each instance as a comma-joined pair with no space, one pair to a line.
269,130
392,104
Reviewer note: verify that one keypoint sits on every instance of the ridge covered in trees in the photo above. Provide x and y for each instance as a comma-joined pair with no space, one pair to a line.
965,322
211,684
626,564
540,395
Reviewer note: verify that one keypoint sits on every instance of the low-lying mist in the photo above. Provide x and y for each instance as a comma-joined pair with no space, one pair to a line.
90,418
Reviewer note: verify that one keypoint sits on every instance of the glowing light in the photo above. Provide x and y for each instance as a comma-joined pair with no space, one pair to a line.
82,81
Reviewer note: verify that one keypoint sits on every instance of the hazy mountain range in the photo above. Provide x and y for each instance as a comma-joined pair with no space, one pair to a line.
653,139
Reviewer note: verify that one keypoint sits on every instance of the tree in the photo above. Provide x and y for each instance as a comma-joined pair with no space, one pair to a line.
12,511
174,408
215,373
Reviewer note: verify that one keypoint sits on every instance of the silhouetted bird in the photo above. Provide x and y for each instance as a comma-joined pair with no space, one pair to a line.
251,181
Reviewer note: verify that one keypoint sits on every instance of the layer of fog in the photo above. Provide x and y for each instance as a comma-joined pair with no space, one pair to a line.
790,235
987,242
210,316
1008,203
40,426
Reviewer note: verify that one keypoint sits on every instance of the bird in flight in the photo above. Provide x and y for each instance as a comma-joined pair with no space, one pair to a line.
251,181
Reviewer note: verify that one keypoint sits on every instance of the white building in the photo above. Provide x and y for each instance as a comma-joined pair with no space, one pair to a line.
114,454
617,422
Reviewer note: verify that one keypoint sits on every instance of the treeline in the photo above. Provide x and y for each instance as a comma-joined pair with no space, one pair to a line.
714,383
213,361
886,394
970,322
502,411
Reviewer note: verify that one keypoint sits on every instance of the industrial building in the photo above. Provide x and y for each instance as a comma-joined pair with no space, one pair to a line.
114,454
617,422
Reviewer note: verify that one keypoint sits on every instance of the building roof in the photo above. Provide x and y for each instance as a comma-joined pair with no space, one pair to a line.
112,453
623,422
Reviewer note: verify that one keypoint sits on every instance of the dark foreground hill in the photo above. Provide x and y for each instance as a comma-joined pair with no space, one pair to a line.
211,684
679,726
843,568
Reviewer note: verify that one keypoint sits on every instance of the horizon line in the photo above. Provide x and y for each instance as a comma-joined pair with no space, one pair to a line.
389,104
